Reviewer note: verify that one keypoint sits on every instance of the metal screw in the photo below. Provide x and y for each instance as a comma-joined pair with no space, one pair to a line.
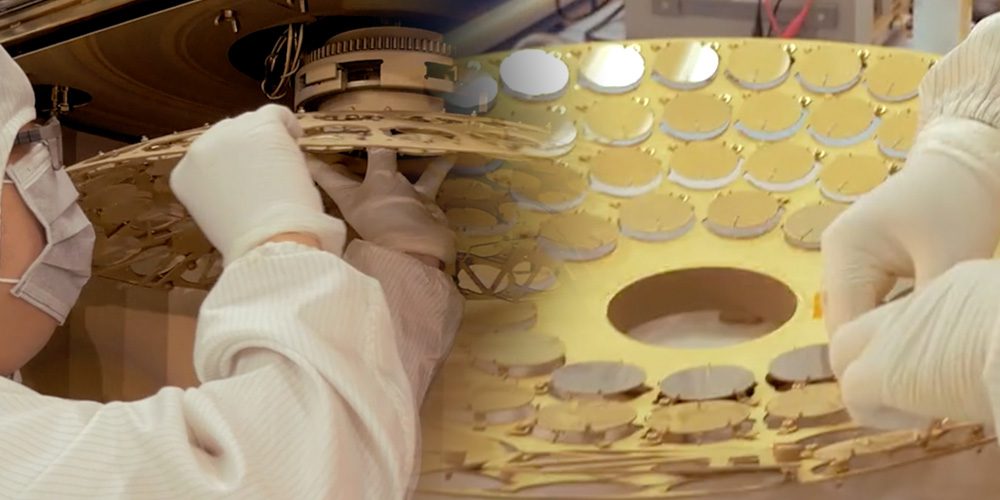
228,15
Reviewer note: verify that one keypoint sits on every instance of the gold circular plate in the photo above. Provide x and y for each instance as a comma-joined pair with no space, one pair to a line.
656,217
804,227
596,378
686,65
895,77
578,236
896,134
850,176
705,383
618,122
743,214
585,416
546,186
704,165
770,116
612,69
811,401
696,117
829,69
625,172
518,354
841,122
759,66
697,418
780,167
534,75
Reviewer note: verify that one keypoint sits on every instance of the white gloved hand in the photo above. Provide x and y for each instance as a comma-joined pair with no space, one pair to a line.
389,211
941,209
245,181
17,105
930,355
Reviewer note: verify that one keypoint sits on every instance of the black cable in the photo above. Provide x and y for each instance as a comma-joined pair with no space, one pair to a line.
758,25
604,22
594,7
770,29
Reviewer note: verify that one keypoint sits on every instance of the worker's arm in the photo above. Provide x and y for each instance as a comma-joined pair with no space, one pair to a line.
304,396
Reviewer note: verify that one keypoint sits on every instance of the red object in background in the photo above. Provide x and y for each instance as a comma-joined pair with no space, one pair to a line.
794,27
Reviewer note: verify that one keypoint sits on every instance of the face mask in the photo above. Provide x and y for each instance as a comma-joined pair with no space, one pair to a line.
54,280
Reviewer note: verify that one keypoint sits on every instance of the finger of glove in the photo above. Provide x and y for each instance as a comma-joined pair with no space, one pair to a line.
332,178
854,280
382,163
432,178
848,343
861,393
283,116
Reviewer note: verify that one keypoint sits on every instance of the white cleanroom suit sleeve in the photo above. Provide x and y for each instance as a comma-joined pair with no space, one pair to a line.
304,397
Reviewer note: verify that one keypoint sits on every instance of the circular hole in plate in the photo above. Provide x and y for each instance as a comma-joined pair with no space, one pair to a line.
618,122
704,166
709,382
624,173
518,354
743,214
686,65
770,116
702,307
596,378
612,69
896,134
804,228
829,69
781,167
475,93
848,177
895,77
485,316
842,122
534,75
577,237
730,481
801,366
656,217
759,66
580,489
459,480
695,117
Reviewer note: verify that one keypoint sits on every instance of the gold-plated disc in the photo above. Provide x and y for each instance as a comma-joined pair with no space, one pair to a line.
618,122
770,116
809,402
485,316
585,421
656,217
612,69
704,165
624,172
801,366
695,117
804,227
829,69
495,404
759,66
518,354
686,65
534,75
780,167
743,214
546,186
848,177
475,221
704,383
896,134
577,237
895,77
842,122
687,421
596,378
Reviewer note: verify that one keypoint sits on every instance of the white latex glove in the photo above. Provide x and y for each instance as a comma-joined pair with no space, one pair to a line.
389,211
941,209
245,181
932,354
17,105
